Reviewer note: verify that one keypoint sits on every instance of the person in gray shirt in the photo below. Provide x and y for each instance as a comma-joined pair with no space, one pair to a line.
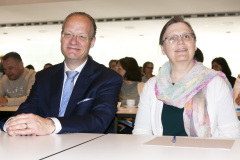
15,85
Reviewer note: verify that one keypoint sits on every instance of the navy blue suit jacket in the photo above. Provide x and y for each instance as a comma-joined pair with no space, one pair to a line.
92,105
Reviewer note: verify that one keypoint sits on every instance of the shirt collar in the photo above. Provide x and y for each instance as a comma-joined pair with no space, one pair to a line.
79,68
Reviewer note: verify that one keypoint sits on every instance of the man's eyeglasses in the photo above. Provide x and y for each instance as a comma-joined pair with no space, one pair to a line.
175,38
79,37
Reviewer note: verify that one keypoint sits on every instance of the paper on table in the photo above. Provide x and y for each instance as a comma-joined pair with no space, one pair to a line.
192,142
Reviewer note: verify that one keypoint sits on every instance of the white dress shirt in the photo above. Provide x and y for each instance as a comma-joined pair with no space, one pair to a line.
78,69
222,114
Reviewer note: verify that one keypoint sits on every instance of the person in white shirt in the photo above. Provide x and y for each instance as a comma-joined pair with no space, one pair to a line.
185,98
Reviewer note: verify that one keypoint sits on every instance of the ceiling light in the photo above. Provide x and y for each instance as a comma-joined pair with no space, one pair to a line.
42,31
228,23
129,27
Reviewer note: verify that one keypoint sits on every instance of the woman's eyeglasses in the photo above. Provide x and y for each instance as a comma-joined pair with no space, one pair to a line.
173,39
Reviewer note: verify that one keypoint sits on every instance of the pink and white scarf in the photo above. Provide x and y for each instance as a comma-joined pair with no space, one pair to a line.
190,94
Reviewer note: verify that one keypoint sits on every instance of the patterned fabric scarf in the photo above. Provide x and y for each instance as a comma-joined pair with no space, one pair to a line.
189,93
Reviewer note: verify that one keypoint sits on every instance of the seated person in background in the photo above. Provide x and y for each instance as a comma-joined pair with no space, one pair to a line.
30,67
15,85
141,70
147,70
132,86
78,95
47,65
220,64
185,98
236,91
198,56
1,69
112,64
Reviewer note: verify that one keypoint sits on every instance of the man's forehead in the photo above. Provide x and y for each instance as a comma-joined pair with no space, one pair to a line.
83,20
9,61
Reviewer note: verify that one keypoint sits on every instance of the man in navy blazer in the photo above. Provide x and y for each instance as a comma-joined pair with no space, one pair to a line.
93,102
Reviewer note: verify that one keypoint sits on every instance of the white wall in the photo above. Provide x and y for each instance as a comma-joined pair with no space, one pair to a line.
118,41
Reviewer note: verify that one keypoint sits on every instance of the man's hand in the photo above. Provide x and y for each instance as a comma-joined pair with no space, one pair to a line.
237,100
3,101
29,125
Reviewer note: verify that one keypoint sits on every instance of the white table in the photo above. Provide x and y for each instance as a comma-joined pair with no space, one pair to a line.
38,147
104,147
132,147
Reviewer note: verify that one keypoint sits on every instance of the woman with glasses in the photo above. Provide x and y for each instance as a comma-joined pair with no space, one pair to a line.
185,98
132,86
147,70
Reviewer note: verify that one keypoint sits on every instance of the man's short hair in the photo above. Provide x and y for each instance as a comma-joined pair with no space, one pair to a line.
94,26
13,55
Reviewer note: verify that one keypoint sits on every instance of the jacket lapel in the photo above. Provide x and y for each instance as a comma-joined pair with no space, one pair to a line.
81,86
56,85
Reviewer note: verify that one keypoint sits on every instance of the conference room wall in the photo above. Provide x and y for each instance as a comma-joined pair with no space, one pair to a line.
139,39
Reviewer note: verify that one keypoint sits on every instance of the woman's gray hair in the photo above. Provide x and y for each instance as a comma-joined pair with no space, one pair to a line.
173,21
